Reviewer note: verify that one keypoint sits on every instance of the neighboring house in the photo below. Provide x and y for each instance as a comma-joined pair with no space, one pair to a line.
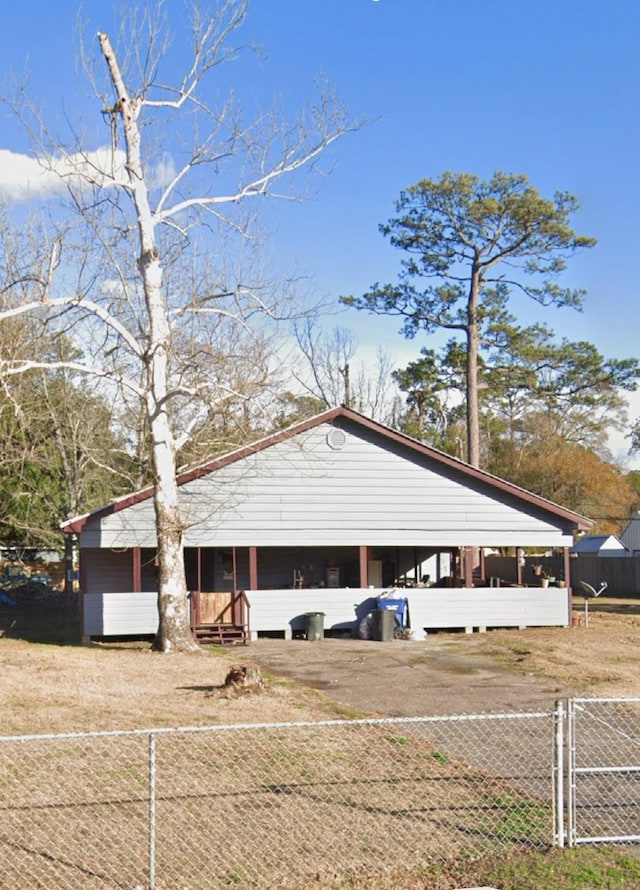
630,534
321,518
599,545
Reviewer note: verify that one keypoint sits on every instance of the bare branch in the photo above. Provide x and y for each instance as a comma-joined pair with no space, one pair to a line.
8,369
259,185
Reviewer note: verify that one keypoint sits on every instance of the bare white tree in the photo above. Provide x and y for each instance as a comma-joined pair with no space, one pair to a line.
158,276
330,373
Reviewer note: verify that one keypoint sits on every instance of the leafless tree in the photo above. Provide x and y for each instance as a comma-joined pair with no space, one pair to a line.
158,273
330,373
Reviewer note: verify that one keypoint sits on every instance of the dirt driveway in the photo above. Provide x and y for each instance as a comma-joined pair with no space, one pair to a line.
401,678
502,670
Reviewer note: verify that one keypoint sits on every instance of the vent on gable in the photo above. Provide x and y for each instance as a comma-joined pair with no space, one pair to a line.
336,439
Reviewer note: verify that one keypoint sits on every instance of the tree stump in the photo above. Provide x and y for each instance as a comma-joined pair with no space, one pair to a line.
245,678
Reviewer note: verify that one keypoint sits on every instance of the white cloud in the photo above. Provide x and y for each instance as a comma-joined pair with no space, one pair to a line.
23,177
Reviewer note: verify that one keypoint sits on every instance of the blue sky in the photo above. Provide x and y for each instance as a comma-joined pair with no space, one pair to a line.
549,89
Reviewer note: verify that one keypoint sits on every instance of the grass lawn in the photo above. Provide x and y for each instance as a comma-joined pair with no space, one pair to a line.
584,868
52,687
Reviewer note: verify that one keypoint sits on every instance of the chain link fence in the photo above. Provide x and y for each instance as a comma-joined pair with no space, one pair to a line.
280,804
267,805
603,770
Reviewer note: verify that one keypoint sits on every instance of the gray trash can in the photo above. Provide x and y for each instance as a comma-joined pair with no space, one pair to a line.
314,625
384,624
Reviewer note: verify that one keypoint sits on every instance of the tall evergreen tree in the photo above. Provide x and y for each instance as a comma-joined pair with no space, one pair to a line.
468,243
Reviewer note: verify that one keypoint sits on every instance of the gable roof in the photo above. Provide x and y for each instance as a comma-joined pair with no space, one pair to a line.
333,415
598,543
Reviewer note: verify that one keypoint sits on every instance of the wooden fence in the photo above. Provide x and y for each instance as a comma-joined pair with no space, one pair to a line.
506,569
622,573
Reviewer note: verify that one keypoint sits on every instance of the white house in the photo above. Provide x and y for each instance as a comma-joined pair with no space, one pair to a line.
599,545
321,518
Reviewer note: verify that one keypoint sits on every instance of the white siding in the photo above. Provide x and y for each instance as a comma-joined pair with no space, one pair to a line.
302,492
489,607
120,614
434,607
285,610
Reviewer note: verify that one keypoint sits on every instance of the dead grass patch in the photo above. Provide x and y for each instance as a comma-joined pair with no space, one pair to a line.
53,688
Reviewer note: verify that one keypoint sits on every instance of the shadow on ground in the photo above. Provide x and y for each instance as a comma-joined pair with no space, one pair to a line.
55,621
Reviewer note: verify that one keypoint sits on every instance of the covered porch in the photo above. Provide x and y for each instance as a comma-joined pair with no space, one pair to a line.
238,594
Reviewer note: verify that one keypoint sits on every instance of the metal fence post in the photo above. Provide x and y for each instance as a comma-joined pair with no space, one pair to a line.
571,772
152,811
558,767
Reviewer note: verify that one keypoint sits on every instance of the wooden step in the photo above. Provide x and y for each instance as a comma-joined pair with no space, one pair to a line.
220,633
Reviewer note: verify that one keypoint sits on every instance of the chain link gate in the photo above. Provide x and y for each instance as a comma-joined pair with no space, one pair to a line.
602,766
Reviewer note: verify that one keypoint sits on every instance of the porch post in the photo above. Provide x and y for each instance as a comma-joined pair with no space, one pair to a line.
518,567
82,572
467,557
235,569
194,595
364,569
566,561
253,568
566,566
136,570
82,589
236,601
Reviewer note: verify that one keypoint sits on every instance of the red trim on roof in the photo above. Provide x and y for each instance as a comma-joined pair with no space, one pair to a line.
76,524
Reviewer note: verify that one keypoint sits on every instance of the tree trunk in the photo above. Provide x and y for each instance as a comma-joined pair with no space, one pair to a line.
473,413
174,631
174,628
